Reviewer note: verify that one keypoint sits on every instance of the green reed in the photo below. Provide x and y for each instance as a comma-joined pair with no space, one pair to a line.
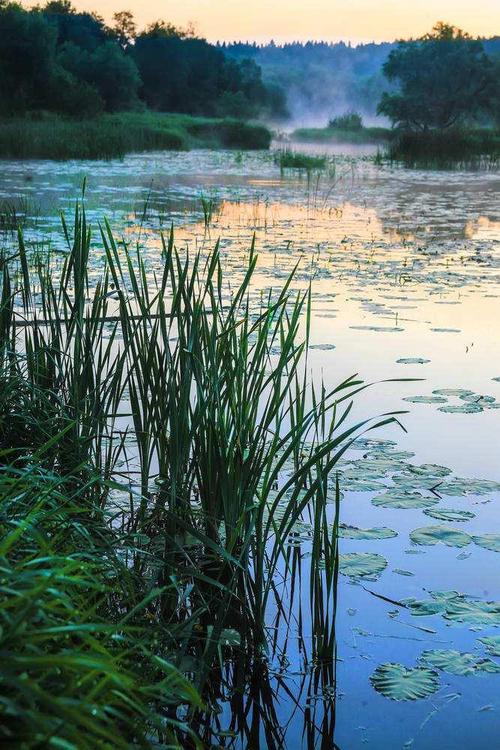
174,420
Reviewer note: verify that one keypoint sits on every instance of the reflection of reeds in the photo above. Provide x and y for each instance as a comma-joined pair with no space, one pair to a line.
180,424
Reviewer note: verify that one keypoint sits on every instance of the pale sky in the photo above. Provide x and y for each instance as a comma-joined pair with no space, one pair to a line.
355,20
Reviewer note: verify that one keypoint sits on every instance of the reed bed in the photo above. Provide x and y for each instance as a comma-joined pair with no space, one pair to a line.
160,439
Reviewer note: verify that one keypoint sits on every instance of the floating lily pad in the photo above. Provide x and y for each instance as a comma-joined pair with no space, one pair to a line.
378,329
412,361
401,572
323,347
373,444
448,514
497,379
458,663
362,564
429,470
352,532
457,608
403,500
399,683
445,330
477,398
488,541
425,399
363,485
461,486
492,643
431,535
452,392
461,409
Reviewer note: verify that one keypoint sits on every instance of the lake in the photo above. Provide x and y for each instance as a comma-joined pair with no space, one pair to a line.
404,268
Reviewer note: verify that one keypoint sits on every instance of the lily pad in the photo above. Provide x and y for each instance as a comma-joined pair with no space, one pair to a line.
458,663
431,535
492,643
452,392
401,572
412,361
352,532
425,399
456,607
488,541
399,683
402,500
363,485
378,329
448,514
461,409
429,470
362,564
460,487
477,398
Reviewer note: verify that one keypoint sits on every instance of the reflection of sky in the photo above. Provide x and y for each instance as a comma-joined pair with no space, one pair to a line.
404,251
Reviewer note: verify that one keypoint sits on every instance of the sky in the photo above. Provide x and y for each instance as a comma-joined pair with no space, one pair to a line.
333,20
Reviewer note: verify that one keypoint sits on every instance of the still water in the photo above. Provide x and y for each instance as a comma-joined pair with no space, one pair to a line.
405,274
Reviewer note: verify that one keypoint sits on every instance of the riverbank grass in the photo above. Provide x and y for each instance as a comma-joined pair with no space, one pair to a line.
114,135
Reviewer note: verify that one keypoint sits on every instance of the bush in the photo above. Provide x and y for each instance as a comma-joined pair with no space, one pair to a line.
350,121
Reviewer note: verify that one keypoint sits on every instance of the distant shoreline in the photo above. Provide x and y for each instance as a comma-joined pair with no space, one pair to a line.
111,136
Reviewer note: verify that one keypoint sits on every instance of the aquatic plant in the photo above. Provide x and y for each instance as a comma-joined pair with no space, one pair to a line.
182,443
288,159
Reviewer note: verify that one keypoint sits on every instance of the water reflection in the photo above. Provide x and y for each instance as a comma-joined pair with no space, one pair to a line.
405,274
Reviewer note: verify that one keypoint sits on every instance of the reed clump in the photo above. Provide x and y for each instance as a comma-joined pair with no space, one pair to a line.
160,440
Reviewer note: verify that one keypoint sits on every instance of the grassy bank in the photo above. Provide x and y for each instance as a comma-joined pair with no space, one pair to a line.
339,135
160,443
114,135
447,149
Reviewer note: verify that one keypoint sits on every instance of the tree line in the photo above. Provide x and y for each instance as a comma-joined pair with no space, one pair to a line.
56,59
442,79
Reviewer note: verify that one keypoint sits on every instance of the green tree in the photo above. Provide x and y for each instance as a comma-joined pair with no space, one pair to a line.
124,28
445,78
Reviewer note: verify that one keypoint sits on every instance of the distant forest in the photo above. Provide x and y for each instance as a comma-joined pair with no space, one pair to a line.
56,59
324,79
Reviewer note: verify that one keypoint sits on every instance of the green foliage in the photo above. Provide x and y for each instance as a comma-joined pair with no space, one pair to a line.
114,135
288,159
336,135
445,79
78,670
56,59
350,121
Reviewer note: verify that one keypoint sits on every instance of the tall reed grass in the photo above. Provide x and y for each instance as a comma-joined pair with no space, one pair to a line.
161,440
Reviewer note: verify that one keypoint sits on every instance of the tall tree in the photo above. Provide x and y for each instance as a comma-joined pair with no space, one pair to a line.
445,78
